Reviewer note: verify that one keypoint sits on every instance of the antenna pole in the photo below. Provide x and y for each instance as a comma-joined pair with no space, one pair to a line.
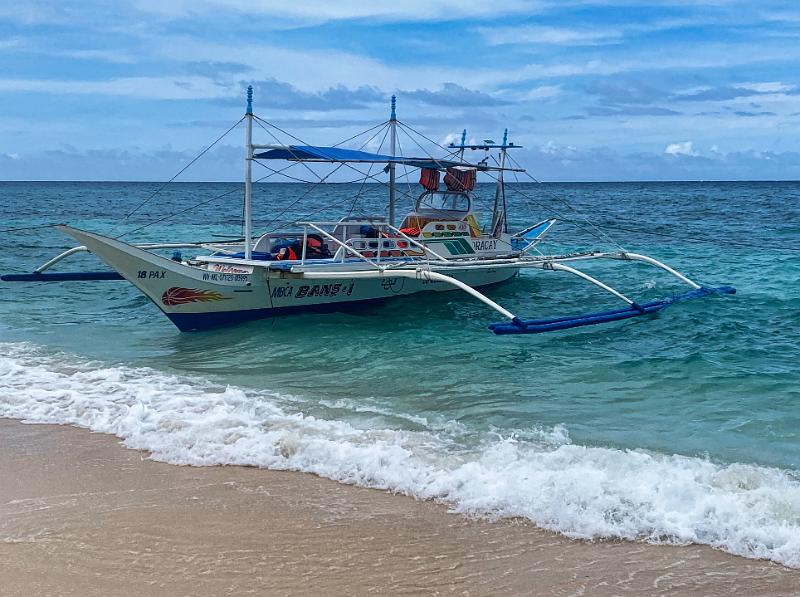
500,179
248,176
500,190
393,139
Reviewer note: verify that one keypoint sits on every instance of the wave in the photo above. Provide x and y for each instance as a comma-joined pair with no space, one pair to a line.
538,474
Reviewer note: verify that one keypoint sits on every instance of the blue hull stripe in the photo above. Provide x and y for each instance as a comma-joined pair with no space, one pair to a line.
191,322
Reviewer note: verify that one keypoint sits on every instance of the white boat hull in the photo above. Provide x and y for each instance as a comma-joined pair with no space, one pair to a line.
194,298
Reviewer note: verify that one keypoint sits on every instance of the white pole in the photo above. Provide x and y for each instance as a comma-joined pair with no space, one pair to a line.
666,268
587,277
248,176
502,180
393,138
419,274
499,189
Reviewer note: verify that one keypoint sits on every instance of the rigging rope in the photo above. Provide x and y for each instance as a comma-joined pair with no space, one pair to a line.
602,235
369,171
181,171
364,177
599,235
315,184
190,208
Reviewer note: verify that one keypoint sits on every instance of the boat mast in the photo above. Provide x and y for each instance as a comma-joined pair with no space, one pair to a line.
463,140
393,139
248,176
501,182
500,190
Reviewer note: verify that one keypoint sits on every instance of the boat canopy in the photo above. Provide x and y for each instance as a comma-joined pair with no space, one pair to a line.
309,153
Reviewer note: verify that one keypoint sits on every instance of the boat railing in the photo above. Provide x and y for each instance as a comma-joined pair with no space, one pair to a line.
385,242
345,248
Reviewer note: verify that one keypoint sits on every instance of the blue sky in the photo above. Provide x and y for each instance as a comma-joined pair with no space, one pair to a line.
594,90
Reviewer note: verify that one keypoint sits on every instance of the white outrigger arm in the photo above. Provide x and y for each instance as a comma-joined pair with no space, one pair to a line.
39,275
516,325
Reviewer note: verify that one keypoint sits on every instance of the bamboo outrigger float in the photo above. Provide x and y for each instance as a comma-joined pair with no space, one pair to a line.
332,265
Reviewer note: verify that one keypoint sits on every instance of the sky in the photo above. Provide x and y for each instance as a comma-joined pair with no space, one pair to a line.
593,90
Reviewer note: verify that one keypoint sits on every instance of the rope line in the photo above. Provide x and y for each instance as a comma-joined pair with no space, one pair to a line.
181,171
716,241
315,184
190,208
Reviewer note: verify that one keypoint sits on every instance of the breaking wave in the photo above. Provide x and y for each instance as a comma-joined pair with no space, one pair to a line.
538,474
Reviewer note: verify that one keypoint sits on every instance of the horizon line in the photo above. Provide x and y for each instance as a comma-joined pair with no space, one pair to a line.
682,180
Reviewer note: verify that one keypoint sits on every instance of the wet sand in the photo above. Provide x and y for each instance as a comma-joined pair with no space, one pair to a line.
81,515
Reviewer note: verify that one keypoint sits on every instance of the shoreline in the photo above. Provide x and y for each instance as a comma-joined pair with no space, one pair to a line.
82,515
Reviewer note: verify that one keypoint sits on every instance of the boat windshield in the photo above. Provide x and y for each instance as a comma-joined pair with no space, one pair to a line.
443,200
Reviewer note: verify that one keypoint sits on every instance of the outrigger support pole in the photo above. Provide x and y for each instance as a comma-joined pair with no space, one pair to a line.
537,326
421,274
655,262
588,278
248,177
425,274
393,140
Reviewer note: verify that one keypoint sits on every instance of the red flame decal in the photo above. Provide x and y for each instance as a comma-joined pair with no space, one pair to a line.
181,296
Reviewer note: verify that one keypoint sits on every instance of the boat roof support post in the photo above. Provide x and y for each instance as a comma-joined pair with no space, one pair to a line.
392,166
248,177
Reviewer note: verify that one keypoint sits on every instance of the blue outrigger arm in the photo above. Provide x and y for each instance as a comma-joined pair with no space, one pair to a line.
538,326
62,277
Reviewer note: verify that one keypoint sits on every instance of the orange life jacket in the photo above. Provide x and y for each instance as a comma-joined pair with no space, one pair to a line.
287,253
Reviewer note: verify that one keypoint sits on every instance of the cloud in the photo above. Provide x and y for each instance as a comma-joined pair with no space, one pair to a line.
679,149
278,94
631,111
716,94
769,87
589,72
322,11
626,91
214,70
9,43
69,163
549,161
606,164
537,34
164,88
452,94
747,114
541,92
591,34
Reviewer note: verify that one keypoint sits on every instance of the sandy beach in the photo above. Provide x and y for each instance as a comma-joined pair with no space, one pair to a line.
81,515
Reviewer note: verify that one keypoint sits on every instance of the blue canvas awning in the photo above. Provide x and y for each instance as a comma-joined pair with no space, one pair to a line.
308,153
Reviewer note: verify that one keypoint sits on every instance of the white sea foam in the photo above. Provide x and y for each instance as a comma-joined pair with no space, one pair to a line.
586,492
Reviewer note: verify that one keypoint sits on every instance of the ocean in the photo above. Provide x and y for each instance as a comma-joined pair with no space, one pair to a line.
680,427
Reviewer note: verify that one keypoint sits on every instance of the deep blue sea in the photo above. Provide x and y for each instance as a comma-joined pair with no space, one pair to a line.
678,427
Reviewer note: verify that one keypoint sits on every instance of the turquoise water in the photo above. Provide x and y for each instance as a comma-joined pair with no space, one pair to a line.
682,426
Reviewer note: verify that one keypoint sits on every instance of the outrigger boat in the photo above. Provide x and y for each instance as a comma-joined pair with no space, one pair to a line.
333,265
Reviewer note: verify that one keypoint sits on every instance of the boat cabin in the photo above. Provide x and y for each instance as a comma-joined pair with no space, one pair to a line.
444,212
